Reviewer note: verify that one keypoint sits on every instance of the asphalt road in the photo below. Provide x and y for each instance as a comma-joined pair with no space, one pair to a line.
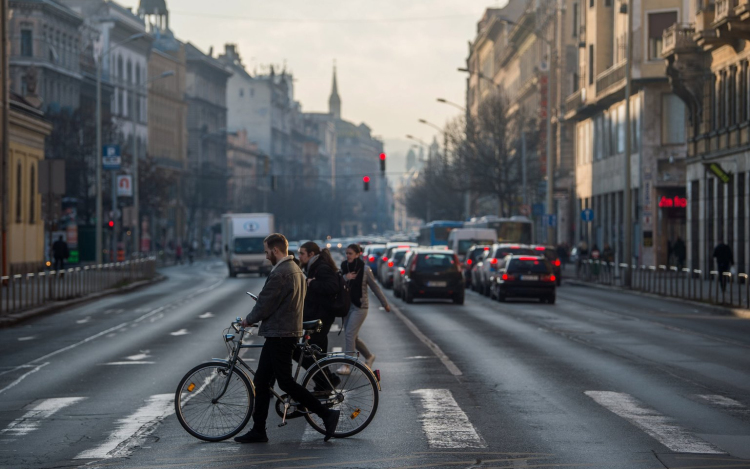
600,379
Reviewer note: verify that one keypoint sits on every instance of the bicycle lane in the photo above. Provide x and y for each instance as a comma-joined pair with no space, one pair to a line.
126,375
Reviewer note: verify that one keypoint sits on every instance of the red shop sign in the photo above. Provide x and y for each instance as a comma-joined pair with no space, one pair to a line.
673,202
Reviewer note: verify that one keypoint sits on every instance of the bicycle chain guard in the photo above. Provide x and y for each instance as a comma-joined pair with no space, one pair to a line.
292,413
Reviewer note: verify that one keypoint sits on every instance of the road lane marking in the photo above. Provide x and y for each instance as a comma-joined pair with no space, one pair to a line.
335,328
180,332
84,320
206,315
432,345
722,401
130,363
444,423
311,438
658,426
139,356
337,350
40,412
23,339
23,376
134,429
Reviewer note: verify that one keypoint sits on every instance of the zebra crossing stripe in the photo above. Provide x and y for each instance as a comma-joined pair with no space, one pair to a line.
133,429
656,425
40,412
443,421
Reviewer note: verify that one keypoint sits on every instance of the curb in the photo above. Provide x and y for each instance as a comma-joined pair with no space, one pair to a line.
720,310
51,308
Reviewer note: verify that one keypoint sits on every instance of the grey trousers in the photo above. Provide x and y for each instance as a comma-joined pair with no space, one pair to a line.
352,324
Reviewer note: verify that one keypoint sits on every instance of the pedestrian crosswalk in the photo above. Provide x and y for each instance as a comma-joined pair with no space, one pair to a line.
444,424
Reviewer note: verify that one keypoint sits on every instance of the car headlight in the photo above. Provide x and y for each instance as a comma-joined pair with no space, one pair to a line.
236,262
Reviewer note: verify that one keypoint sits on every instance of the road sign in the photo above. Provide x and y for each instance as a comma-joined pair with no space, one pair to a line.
111,159
124,186
525,210
537,210
550,220
587,214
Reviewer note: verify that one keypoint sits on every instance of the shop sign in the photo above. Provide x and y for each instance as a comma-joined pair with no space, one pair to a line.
673,202
719,172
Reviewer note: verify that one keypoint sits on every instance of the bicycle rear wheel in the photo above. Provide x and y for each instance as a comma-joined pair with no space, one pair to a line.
356,395
197,409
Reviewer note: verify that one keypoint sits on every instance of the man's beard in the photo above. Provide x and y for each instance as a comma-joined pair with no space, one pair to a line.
273,259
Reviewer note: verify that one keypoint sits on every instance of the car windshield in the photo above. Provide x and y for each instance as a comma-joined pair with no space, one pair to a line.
465,244
436,262
248,246
528,266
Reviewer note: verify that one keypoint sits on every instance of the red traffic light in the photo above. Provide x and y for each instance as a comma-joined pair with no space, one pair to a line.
382,156
366,179
111,224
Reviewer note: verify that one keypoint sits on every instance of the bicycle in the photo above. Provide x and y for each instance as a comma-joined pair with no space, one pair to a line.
214,401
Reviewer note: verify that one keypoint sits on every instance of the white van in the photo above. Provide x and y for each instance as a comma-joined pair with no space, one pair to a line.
461,239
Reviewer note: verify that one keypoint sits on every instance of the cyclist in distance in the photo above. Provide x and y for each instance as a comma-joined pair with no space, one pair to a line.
279,309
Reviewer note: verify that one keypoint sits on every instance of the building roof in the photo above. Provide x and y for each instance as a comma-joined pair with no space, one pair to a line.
153,7
193,54
52,5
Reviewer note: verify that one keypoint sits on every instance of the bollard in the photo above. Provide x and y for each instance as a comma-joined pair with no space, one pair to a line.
726,276
673,282
711,275
747,291
623,272
698,275
686,283
652,282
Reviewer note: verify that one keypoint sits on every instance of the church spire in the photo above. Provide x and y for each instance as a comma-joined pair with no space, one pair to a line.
334,102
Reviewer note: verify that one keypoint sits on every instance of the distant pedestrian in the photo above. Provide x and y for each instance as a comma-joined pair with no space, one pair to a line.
562,253
178,254
60,253
680,252
359,276
724,261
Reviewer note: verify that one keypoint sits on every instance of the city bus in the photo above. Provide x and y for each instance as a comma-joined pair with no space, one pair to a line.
436,233
516,229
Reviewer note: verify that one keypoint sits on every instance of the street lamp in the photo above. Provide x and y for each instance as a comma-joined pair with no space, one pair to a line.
98,149
445,101
136,196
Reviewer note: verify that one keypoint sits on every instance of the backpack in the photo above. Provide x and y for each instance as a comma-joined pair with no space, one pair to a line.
342,300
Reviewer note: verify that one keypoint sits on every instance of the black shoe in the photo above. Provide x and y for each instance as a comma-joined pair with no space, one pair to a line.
331,421
253,436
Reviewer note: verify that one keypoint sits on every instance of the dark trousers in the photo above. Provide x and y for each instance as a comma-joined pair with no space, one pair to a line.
59,263
275,365
318,338
722,280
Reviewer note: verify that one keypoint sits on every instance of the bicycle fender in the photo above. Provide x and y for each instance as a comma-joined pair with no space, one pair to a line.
240,369
321,362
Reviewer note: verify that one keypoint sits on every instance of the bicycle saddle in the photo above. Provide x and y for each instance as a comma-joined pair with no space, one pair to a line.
312,326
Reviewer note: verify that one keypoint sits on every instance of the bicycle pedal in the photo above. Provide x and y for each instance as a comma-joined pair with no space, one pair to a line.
283,424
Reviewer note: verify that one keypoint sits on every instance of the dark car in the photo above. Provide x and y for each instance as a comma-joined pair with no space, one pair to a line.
492,263
371,255
554,258
473,256
525,277
388,269
433,273
399,273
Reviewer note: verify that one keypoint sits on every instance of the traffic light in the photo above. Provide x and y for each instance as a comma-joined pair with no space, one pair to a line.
111,224
382,162
366,180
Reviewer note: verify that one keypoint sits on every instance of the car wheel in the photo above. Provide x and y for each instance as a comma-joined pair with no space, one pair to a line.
408,296
486,290
232,272
397,293
559,280
551,299
458,299
500,296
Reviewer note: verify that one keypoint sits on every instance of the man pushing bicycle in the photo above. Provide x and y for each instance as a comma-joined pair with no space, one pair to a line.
279,310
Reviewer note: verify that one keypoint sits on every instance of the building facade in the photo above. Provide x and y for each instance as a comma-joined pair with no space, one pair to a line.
248,168
597,107
708,65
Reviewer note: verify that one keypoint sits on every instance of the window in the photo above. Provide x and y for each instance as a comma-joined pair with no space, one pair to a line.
242,92
591,64
621,128
120,72
119,102
591,3
672,119
27,47
732,105
743,114
19,193
130,71
137,74
657,24
575,20
32,196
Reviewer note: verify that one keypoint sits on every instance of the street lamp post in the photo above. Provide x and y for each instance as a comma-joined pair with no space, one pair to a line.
467,195
450,103
98,149
627,209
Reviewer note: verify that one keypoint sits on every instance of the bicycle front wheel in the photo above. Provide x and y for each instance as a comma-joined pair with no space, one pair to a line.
204,414
355,395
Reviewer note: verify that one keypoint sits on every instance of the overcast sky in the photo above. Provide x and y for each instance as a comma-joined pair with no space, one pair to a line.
394,57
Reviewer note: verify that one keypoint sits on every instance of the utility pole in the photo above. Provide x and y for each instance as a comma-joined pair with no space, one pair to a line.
627,203
98,157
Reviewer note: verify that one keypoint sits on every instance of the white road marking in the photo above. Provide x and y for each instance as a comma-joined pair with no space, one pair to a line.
311,438
34,417
129,363
133,429
444,423
337,350
656,425
417,357
23,376
335,328
84,320
206,315
432,345
139,356
722,401
22,339
180,332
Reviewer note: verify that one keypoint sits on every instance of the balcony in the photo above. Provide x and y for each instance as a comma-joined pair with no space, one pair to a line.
728,22
705,34
742,10
573,103
678,38
609,78
724,11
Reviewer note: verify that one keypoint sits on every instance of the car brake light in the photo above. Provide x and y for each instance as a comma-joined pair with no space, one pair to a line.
493,261
401,270
390,264
539,248
528,258
468,262
486,248
371,259
385,259
557,262
515,247
552,278
507,277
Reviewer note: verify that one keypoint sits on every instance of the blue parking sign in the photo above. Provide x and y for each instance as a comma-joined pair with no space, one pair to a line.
111,159
550,220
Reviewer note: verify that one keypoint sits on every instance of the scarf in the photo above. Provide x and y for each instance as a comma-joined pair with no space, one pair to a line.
355,286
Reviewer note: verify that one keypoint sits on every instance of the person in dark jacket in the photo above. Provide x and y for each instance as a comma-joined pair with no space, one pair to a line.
322,286
724,261
60,252
279,308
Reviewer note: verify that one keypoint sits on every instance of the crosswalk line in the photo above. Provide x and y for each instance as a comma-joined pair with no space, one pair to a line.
723,401
32,419
658,426
443,421
133,429
311,438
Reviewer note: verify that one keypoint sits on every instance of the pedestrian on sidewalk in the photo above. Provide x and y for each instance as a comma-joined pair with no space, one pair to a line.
724,261
60,253
178,254
680,252
360,276
279,309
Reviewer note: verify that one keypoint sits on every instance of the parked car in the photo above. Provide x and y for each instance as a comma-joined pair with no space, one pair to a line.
473,256
554,259
433,274
399,272
387,269
525,277
371,256
493,261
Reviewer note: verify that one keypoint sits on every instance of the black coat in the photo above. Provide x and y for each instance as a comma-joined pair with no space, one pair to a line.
320,292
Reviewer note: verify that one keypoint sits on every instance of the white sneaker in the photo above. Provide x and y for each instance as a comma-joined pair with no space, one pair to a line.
344,370
370,360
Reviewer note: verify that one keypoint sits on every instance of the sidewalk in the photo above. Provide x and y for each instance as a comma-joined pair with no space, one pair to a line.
663,283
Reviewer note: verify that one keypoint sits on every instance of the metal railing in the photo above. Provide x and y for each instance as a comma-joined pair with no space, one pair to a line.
27,291
610,77
726,289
